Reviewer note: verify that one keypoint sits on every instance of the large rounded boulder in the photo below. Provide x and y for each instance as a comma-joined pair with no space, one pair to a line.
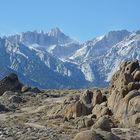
10,83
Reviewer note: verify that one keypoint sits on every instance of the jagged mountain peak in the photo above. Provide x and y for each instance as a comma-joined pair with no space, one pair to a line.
137,32
99,45
116,32
55,32
43,39
54,41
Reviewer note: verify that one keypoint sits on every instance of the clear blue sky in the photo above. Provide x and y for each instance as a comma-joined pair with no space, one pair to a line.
81,19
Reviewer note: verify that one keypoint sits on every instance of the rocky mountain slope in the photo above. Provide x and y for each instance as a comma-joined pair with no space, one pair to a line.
99,58
39,66
54,60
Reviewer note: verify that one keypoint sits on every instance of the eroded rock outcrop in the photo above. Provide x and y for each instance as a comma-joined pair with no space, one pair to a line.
103,123
84,104
121,108
124,100
97,98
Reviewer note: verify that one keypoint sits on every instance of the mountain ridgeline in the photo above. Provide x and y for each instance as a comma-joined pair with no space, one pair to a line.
53,60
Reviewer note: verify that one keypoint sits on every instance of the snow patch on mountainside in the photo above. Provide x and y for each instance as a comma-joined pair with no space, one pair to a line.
86,69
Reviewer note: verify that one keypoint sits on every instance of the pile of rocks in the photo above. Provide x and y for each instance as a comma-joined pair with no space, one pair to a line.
11,90
122,106
12,83
103,113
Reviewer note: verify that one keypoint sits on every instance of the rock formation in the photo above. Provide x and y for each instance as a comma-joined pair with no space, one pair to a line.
124,100
122,108
10,83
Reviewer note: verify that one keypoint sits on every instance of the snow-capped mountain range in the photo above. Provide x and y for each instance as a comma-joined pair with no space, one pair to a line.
54,60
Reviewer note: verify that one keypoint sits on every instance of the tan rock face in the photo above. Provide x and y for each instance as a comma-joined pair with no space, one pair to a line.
126,106
137,75
83,122
124,100
97,98
77,109
131,121
78,105
100,110
103,123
